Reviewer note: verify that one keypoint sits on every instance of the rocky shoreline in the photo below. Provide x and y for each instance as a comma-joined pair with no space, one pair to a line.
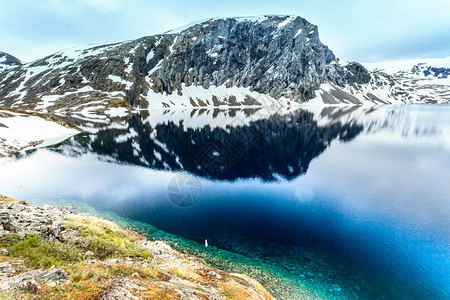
48,252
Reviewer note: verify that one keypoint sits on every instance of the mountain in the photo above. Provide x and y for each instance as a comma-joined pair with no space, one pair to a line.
231,62
8,61
426,79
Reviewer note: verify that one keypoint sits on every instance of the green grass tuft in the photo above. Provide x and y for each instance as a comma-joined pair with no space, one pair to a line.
39,253
106,239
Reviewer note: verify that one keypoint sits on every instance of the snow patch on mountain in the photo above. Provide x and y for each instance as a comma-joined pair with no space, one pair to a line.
214,96
18,131
255,19
119,80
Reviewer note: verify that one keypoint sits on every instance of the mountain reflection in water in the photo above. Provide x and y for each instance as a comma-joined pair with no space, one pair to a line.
267,148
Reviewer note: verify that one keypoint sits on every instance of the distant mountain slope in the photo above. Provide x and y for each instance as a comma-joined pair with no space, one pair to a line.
8,61
232,62
393,67
427,79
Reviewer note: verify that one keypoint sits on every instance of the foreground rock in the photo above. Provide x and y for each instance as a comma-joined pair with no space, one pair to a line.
96,259
50,277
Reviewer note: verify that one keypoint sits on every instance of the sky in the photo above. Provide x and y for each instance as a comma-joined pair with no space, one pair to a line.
355,30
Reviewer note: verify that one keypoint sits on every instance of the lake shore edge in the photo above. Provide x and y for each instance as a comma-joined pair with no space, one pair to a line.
48,252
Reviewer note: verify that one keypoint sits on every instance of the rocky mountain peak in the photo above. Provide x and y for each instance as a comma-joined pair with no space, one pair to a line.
270,54
8,61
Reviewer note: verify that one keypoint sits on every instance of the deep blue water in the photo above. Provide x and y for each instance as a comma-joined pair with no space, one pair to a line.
350,202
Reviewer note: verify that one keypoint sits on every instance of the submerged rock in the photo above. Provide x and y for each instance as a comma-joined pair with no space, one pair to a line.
335,288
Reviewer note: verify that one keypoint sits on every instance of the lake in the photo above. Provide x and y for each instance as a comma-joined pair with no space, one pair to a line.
315,202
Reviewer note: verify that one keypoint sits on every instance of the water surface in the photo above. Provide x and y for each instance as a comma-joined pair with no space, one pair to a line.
316,202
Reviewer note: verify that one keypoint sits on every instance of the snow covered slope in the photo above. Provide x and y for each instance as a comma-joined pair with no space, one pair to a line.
428,80
18,131
393,67
8,61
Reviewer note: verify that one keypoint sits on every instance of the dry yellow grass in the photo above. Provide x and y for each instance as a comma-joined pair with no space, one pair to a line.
7,199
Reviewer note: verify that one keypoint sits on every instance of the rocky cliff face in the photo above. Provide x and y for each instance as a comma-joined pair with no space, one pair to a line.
268,60
277,56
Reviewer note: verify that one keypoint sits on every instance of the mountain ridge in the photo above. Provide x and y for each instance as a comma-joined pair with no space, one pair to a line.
228,62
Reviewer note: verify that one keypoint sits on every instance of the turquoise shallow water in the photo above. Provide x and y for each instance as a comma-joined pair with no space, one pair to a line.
288,274
335,203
